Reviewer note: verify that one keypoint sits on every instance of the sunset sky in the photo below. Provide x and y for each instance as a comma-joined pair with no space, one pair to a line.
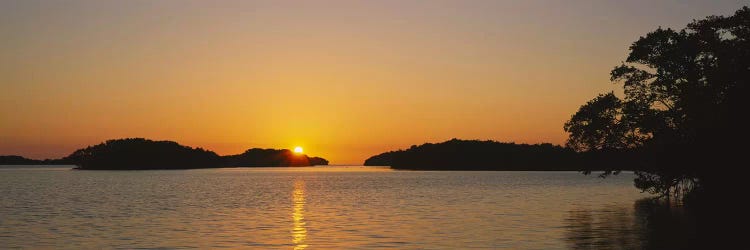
342,79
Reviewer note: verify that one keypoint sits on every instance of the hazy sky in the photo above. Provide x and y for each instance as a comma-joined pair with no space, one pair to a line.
343,79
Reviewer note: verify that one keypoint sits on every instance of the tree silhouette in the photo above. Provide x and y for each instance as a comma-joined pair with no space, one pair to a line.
599,125
17,160
478,155
257,157
684,95
140,154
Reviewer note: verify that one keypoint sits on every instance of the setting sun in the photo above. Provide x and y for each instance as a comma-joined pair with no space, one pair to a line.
298,150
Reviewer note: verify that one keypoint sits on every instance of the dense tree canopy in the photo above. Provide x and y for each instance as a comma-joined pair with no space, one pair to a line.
684,95
140,153
17,160
478,155
257,157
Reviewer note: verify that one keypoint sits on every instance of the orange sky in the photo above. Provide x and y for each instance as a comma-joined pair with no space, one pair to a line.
343,79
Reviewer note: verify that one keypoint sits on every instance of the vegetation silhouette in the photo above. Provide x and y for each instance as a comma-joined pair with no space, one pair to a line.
142,154
139,153
680,119
272,157
458,154
18,160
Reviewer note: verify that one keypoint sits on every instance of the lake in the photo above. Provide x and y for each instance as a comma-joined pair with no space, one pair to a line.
325,207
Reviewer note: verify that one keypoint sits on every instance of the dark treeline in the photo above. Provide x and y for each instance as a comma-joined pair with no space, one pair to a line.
138,153
20,160
473,155
141,154
257,157
458,154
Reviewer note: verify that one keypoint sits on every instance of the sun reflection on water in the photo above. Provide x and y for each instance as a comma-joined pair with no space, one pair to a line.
299,230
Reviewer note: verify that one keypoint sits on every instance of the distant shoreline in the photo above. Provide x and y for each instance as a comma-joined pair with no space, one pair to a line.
145,154
476,155
73,167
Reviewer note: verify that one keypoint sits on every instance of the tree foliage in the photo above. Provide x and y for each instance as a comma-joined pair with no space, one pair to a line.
139,153
682,105
257,157
478,155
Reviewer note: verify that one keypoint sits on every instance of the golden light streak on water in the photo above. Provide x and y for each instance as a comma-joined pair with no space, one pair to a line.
299,231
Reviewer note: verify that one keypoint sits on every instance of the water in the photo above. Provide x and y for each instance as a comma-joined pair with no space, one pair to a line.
318,208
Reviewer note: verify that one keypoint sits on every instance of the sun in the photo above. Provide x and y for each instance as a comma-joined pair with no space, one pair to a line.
298,149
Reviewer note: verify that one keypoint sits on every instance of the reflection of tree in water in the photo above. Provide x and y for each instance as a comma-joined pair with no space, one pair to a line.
649,224
608,227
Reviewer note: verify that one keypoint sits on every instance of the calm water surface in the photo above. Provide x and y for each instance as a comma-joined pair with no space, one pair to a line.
318,208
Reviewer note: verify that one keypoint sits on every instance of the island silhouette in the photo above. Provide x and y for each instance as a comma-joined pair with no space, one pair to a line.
458,154
144,154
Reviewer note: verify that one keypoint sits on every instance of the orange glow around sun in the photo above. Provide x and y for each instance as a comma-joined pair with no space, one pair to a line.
347,86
